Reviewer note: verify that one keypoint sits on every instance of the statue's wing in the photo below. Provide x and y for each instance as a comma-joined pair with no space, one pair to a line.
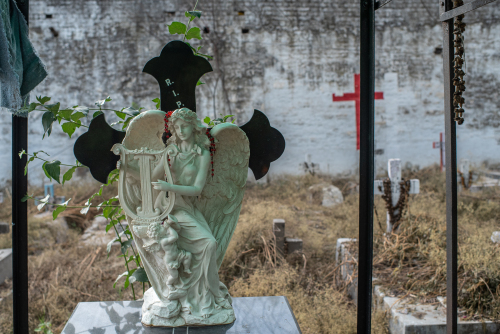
220,201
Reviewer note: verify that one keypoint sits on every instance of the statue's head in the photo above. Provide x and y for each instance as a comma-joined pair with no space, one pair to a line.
183,124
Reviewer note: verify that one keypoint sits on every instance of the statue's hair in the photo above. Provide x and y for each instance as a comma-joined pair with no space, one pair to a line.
199,131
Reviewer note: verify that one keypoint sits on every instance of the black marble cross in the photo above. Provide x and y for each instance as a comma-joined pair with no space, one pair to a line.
177,71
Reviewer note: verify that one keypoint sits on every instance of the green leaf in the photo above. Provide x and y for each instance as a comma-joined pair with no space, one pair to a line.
126,245
43,100
193,33
120,114
85,210
206,56
25,198
33,106
65,113
43,202
131,111
97,113
69,174
110,244
206,120
57,211
127,282
199,83
140,275
177,28
101,102
193,14
47,119
158,103
77,115
110,225
27,163
54,108
118,278
69,128
226,117
109,211
23,152
52,169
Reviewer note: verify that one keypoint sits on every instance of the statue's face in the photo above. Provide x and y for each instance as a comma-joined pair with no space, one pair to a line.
183,129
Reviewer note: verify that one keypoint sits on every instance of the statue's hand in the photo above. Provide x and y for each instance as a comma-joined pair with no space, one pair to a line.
162,185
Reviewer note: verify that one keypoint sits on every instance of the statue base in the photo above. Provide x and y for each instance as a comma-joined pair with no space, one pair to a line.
255,315
157,314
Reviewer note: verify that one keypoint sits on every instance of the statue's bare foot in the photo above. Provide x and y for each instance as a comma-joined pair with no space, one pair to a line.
206,316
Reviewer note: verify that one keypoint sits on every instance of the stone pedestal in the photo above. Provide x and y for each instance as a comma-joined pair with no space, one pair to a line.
255,315
5,264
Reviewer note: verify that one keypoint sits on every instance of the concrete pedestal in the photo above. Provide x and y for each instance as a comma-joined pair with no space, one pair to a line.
255,315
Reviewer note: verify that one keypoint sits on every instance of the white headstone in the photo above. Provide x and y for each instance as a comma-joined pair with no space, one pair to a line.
394,171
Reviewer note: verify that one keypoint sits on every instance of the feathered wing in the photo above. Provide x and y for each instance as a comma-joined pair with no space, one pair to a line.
220,201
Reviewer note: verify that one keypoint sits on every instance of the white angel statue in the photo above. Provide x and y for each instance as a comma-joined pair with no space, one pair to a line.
195,192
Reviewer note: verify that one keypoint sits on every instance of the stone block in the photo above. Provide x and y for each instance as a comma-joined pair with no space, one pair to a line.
279,235
259,315
5,264
4,228
293,245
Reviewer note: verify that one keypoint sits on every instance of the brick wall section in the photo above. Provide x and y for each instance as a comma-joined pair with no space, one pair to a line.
295,55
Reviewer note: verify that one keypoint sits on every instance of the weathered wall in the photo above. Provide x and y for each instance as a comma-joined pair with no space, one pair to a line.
294,56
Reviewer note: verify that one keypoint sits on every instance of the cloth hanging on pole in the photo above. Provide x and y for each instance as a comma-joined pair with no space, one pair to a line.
21,69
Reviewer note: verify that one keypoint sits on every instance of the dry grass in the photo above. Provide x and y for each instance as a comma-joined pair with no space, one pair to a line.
62,273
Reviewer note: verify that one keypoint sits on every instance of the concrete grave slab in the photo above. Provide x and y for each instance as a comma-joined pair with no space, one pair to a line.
255,315
406,316
5,264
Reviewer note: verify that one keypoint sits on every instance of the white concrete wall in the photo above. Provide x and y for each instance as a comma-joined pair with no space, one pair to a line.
295,56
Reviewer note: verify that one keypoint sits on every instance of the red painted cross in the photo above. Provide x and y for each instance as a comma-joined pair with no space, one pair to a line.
355,97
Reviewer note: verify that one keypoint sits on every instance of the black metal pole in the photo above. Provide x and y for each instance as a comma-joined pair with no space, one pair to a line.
451,173
20,215
366,161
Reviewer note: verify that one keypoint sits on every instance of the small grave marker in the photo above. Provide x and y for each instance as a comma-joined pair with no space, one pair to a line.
4,228
279,235
394,170
285,245
440,144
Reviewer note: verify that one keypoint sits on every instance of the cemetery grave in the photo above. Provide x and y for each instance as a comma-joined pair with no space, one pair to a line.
420,231
317,293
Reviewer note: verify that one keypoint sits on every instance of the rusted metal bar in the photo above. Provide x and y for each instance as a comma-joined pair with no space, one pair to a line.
20,214
451,13
451,174
366,161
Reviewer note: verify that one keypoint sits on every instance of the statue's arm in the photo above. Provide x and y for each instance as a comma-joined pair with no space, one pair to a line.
194,190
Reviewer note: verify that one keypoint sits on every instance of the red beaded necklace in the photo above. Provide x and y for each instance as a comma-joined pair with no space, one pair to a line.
212,141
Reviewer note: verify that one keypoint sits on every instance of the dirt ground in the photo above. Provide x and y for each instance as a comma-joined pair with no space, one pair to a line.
63,272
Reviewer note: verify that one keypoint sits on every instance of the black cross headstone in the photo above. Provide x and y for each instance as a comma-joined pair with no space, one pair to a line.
177,71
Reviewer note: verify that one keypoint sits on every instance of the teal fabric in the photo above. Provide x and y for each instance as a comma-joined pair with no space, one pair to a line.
21,69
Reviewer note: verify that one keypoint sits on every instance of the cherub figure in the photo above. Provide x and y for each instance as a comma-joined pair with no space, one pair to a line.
166,235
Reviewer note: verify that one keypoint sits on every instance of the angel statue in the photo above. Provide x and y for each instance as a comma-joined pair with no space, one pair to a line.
181,187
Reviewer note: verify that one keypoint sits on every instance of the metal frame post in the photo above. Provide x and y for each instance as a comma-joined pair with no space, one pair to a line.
451,173
366,163
20,214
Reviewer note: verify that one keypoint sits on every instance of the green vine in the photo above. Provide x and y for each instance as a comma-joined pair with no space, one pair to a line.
70,119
